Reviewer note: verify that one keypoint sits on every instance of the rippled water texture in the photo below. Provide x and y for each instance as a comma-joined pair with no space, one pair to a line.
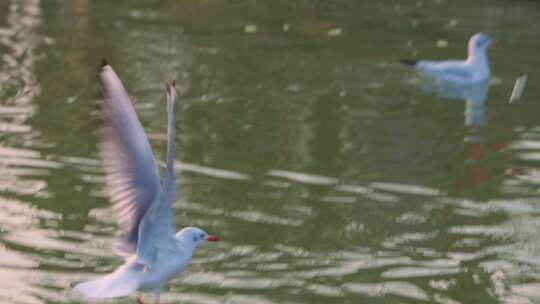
330,172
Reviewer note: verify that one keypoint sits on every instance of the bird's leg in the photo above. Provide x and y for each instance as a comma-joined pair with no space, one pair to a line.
139,299
157,293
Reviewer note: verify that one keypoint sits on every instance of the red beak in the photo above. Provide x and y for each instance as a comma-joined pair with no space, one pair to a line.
212,238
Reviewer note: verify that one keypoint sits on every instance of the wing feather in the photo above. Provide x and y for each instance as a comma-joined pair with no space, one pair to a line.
157,228
449,68
132,177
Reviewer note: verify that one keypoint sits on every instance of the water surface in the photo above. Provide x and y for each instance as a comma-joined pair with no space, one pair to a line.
329,173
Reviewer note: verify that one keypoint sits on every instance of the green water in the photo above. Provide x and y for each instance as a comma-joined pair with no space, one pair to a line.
327,171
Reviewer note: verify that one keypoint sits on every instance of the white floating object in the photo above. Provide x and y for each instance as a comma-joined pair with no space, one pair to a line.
250,28
519,87
286,27
441,43
335,32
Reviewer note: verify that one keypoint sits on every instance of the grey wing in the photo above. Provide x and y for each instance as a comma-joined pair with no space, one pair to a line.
449,68
132,177
157,228
457,72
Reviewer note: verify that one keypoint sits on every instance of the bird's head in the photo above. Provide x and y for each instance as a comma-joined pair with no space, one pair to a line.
194,236
481,41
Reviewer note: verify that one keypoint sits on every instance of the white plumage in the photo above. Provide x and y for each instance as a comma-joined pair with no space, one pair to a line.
154,254
475,69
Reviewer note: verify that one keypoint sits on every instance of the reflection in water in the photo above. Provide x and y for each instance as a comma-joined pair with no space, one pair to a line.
474,96
477,144
22,168
18,87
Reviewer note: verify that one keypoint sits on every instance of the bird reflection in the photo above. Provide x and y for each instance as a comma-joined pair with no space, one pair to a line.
474,96
477,145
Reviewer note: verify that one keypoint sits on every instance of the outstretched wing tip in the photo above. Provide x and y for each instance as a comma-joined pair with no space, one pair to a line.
170,87
132,177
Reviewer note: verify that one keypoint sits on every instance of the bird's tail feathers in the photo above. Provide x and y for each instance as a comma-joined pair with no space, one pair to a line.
409,62
110,286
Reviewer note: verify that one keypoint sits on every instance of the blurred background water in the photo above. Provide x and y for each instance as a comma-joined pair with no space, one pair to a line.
329,173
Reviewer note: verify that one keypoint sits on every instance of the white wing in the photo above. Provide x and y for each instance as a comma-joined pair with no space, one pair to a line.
157,229
132,177
450,68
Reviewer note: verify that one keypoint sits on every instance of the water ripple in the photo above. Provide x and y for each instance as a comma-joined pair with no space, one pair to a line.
397,288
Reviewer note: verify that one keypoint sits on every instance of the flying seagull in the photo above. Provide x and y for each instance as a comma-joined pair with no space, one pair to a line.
473,70
153,253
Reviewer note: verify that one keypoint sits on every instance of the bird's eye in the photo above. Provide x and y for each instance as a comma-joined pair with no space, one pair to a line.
481,42
202,236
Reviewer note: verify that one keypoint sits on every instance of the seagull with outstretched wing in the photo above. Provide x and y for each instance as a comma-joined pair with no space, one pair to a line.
154,253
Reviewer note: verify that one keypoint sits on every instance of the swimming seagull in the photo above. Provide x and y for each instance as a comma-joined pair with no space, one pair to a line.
153,253
471,71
